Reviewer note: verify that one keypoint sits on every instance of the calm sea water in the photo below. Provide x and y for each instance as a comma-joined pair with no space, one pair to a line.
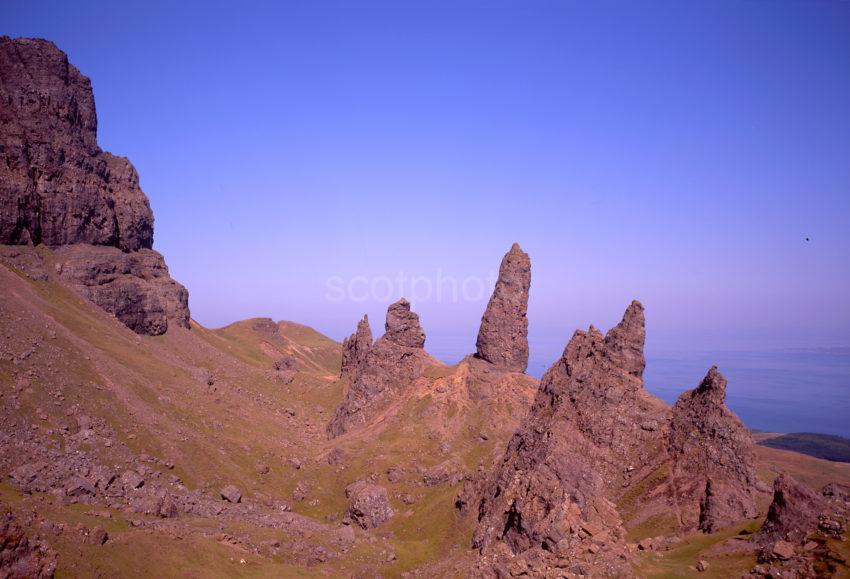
795,390
781,391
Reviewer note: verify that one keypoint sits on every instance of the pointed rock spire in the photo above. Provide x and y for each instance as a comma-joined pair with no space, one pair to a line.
713,456
503,335
793,513
356,347
402,326
624,342
713,387
591,419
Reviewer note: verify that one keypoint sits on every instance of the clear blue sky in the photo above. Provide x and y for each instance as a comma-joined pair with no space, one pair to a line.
675,152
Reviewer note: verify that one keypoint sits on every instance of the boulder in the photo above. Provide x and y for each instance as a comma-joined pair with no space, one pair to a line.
368,504
78,486
131,480
231,494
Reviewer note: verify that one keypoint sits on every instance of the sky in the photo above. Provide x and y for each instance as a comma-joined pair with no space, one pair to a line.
303,157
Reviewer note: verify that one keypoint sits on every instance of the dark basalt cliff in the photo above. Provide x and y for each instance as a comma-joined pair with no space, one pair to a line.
59,189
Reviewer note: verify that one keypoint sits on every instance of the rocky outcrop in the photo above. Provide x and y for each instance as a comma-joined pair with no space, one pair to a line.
597,386
402,327
503,335
56,185
793,513
552,492
394,360
368,504
134,286
58,188
355,348
20,557
713,459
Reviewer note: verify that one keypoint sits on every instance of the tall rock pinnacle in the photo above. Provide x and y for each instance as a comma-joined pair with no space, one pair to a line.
387,368
59,189
503,335
713,455
356,347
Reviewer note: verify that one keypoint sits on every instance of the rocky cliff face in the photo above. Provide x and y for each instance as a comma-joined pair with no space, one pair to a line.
713,475
591,417
394,360
58,188
503,335
355,348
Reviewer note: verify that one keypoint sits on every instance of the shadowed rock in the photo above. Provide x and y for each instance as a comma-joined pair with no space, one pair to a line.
58,188
356,347
503,335
394,360
713,455
134,286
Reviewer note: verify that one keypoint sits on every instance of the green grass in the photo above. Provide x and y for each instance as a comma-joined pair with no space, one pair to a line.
681,560
629,504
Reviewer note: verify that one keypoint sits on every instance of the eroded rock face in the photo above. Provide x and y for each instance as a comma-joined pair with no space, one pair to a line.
793,513
713,471
394,360
19,556
355,348
134,286
565,465
368,504
597,386
58,188
402,327
503,335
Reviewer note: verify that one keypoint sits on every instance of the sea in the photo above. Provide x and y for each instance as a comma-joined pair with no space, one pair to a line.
787,390
792,390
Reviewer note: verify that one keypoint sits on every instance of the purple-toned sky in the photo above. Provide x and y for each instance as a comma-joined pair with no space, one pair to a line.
680,153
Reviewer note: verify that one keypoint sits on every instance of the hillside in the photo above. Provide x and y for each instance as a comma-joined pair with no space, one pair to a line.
136,442
196,410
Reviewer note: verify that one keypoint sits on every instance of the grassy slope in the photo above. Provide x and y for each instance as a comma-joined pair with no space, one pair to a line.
145,388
